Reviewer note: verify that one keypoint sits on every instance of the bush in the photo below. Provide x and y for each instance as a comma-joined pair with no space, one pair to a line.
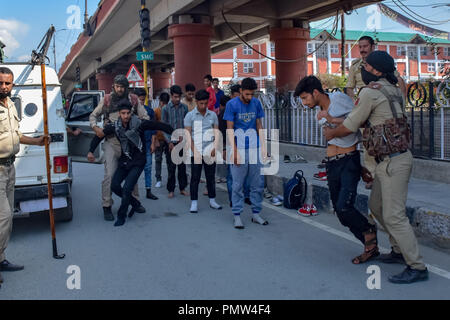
331,81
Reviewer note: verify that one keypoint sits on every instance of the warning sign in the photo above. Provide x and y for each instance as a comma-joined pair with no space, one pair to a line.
133,74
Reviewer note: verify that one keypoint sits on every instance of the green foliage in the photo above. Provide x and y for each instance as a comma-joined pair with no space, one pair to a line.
330,81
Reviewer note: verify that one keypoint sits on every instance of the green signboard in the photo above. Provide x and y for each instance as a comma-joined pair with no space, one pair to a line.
141,56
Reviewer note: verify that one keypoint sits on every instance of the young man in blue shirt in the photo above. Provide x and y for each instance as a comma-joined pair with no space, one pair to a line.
244,116
219,94
151,144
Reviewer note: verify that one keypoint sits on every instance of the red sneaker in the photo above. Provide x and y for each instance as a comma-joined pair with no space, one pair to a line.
321,175
305,211
313,210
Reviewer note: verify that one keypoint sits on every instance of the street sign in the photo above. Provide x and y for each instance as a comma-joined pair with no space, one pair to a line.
141,56
133,74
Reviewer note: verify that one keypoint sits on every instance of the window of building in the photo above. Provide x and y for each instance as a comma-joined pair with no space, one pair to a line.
322,50
424,51
248,50
412,52
447,51
401,51
310,47
272,48
334,48
248,67
431,67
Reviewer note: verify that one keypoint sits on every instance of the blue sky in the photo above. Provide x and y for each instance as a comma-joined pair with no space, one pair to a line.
24,23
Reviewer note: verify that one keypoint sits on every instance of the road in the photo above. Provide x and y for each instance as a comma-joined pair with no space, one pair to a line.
169,253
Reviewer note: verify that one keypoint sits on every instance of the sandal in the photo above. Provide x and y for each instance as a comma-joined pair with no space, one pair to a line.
370,247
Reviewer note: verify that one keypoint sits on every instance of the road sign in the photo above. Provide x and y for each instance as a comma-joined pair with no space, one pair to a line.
133,74
141,56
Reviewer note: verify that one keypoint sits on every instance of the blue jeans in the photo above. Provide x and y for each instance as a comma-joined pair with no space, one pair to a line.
251,173
246,184
148,168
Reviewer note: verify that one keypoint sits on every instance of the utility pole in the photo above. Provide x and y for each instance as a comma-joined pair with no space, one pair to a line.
342,44
86,17
54,49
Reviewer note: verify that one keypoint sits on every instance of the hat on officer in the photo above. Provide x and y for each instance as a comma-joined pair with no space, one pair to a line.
121,80
381,61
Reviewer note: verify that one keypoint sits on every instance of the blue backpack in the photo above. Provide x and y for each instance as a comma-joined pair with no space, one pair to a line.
295,191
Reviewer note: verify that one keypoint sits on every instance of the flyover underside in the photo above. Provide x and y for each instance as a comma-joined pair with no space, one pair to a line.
113,46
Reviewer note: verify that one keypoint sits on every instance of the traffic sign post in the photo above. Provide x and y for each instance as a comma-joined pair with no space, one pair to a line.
133,74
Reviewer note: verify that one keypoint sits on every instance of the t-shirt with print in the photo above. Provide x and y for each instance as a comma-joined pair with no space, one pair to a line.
244,117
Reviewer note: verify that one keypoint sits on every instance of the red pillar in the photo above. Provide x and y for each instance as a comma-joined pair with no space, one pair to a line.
105,81
192,52
290,44
161,80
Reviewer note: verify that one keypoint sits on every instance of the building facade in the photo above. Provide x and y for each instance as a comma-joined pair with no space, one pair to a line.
417,57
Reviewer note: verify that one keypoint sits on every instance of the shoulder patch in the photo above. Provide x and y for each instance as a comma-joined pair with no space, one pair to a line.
357,102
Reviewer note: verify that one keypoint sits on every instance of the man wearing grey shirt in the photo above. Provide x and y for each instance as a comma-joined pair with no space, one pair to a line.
343,163
173,114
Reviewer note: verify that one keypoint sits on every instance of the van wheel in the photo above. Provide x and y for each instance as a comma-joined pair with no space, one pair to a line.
64,214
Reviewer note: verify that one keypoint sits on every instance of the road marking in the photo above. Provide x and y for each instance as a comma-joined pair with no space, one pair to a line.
431,268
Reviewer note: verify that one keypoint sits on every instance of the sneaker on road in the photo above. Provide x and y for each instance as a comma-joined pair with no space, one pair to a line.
409,275
158,184
238,222
321,176
276,201
313,210
194,207
305,211
214,205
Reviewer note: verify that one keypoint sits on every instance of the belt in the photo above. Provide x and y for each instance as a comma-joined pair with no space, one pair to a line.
7,161
340,156
392,155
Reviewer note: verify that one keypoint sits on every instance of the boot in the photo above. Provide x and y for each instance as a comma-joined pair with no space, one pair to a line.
150,195
107,213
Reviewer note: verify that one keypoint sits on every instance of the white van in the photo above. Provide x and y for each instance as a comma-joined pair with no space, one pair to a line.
31,195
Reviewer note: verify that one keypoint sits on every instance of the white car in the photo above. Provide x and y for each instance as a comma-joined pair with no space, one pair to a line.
31,195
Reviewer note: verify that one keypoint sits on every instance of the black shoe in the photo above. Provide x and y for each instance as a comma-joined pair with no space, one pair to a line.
140,209
1,280
410,275
131,213
107,213
5,265
150,195
392,257
119,222
247,201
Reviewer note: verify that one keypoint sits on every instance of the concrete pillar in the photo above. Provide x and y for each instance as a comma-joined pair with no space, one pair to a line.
161,81
105,81
290,44
192,50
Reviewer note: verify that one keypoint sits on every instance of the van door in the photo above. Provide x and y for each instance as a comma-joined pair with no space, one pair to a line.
81,106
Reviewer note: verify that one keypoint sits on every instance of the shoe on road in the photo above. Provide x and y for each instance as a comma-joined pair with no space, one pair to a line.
158,184
140,209
238,222
107,214
6,266
409,275
150,195
194,207
392,257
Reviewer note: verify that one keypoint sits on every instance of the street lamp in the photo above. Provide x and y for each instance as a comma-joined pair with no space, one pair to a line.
54,45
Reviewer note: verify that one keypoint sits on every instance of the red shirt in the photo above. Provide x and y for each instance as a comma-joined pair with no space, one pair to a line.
212,99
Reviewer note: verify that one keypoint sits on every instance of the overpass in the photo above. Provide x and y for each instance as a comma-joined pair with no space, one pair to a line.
186,32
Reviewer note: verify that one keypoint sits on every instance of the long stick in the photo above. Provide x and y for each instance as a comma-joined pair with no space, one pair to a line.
47,160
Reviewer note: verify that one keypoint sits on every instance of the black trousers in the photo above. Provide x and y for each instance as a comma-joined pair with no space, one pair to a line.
182,177
131,177
343,177
210,174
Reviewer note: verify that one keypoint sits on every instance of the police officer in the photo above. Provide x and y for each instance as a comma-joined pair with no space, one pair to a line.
366,46
108,108
378,105
10,139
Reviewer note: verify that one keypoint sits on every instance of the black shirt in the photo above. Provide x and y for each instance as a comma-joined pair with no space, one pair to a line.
138,157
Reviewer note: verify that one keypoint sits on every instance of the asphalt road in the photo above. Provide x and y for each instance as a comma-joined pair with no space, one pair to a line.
168,253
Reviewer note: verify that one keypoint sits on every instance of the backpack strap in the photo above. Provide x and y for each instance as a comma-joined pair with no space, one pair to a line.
393,98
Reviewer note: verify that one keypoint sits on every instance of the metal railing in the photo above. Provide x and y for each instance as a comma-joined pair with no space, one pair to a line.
428,108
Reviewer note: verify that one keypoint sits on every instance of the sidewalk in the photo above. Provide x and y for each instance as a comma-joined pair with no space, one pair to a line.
428,204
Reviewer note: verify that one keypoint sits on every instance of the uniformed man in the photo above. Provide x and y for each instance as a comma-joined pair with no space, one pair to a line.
108,108
366,46
10,139
380,105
